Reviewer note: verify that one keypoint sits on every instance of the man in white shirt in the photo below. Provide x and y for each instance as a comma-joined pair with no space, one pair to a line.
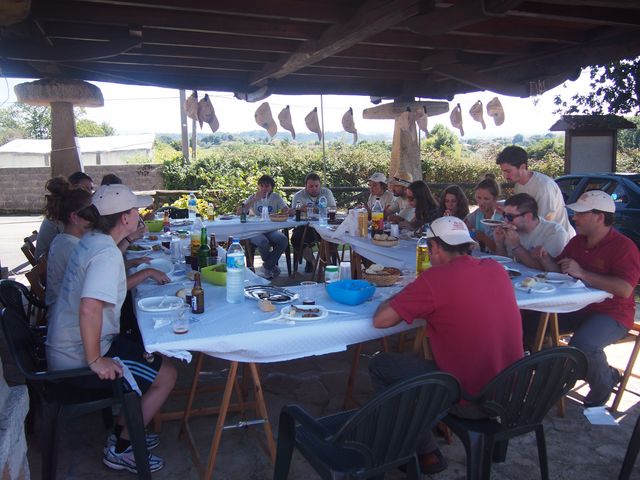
309,196
525,233
513,162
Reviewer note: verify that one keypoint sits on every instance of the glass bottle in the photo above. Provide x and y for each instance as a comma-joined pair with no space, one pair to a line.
423,260
166,222
243,213
196,236
197,295
213,246
298,211
203,250
377,218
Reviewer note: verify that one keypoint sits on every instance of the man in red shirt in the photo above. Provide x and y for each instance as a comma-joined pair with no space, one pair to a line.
602,258
473,322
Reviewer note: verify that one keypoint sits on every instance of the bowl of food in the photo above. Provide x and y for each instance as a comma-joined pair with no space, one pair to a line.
153,225
279,217
351,292
381,276
216,274
384,240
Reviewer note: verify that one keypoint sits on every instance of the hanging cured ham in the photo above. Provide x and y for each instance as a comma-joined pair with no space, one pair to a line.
495,110
476,113
284,117
349,125
421,119
311,120
207,114
191,106
265,119
456,119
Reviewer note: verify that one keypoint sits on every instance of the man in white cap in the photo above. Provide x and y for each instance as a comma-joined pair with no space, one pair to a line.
514,164
84,325
473,322
400,210
525,232
378,190
602,258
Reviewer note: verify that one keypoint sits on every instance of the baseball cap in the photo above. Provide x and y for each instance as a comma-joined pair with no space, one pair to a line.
594,200
450,230
378,177
401,178
110,199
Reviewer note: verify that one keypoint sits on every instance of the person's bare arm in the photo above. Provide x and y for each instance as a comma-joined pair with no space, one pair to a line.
90,330
137,278
385,316
608,283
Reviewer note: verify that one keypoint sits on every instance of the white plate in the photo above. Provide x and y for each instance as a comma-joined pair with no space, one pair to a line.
160,304
159,264
491,223
537,287
289,313
555,277
498,258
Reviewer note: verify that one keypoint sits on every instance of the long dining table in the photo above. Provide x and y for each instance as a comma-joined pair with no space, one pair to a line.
245,335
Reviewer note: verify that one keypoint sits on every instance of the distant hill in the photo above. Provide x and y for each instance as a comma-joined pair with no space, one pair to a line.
262,136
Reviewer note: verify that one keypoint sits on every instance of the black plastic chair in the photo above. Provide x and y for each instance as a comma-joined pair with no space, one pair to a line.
61,401
18,297
632,453
365,443
517,400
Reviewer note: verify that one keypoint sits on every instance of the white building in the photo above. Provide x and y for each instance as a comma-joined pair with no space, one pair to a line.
115,150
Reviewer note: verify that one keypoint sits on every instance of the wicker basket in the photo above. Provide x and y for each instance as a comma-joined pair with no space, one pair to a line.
385,243
279,217
384,278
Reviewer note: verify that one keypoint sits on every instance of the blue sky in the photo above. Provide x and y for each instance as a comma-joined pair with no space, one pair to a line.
132,109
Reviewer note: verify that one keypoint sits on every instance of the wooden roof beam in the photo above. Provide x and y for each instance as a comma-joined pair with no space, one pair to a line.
601,16
372,17
463,14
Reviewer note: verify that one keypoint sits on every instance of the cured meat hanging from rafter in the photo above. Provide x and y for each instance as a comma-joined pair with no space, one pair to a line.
495,110
349,125
476,113
456,119
207,114
191,106
312,123
265,119
284,117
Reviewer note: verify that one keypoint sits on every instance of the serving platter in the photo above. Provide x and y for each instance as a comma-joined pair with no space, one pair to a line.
275,295
160,304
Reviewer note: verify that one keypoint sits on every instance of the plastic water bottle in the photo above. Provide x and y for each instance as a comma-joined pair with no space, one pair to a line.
309,211
235,272
265,211
192,206
322,208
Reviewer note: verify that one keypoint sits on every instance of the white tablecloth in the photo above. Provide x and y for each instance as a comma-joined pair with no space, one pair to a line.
226,228
232,331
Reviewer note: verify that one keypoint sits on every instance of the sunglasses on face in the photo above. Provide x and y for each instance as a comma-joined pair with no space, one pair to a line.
509,217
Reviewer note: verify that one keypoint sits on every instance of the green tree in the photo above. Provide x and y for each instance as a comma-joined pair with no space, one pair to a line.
613,88
89,128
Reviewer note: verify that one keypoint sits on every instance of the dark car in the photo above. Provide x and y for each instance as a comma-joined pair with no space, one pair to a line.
623,187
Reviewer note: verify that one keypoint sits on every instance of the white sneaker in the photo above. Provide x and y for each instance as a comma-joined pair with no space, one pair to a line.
126,460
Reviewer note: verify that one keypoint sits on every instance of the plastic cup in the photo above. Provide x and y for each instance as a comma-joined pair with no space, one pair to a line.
309,292
181,321
345,270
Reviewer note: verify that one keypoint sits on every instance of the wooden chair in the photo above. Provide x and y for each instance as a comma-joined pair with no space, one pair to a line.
37,278
250,252
634,333
29,248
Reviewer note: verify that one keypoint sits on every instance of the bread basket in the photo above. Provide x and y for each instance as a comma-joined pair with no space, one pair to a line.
384,278
279,217
390,242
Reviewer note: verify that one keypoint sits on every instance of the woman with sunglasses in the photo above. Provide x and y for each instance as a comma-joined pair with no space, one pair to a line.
426,208
453,202
487,193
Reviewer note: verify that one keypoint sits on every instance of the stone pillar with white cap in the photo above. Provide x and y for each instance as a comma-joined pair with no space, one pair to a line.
62,95
405,152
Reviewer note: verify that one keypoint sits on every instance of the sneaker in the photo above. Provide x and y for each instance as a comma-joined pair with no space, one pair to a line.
126,460
432,462
275,271
152,439
266,273
597,399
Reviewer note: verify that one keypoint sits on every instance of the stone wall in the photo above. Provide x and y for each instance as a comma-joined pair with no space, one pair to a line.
22,189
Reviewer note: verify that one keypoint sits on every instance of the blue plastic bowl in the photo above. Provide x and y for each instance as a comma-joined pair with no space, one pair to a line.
351,292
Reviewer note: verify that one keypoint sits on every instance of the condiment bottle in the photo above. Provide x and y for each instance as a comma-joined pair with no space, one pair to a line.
331,274
243,214
203,251
197,295
213,246
377,218
166,222
196,236
298,211
423,260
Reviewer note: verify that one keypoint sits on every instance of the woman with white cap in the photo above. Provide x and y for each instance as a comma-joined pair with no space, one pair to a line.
84,325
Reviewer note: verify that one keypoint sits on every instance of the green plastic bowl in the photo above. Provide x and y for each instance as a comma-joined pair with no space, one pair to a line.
153,225
216,274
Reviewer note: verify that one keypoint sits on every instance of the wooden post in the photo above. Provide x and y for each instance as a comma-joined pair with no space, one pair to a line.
183,127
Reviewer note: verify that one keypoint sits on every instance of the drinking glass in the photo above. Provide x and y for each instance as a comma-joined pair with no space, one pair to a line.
181,321
308,293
